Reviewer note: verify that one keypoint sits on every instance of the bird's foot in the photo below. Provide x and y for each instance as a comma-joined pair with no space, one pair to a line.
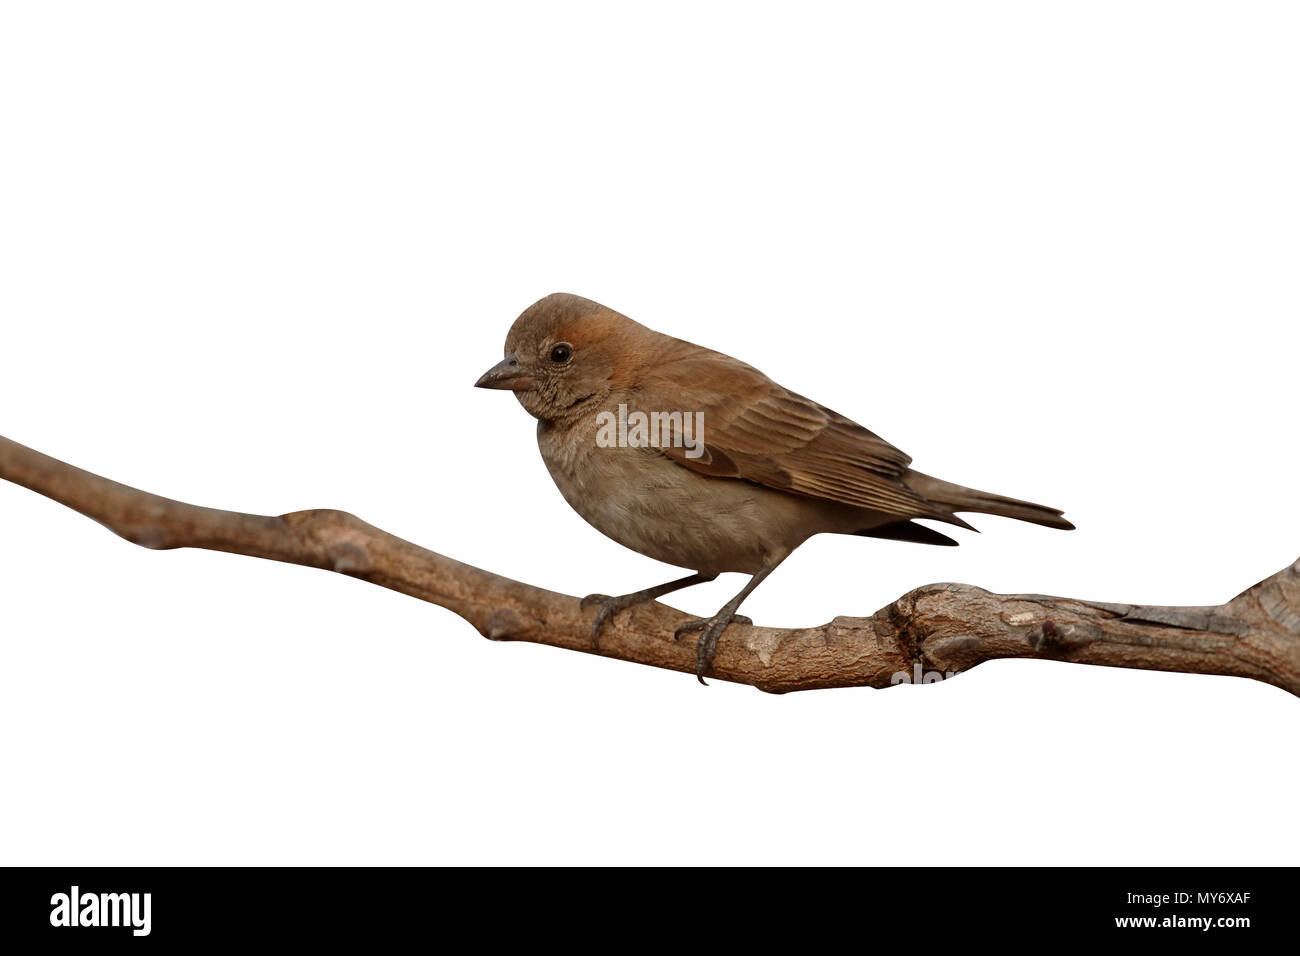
606,608
706,646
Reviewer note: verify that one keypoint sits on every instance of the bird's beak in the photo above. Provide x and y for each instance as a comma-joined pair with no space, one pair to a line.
506,374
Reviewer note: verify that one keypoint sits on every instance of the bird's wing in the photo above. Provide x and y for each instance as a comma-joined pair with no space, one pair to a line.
755,430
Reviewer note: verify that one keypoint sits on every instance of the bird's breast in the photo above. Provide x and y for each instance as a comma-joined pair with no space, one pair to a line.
647,502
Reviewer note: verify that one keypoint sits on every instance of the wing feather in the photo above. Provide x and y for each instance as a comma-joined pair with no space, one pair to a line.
755,430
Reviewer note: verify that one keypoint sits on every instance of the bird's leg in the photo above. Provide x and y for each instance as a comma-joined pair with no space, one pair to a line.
609,606
711,628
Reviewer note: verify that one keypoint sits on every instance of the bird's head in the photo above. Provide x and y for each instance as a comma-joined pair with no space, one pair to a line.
565,354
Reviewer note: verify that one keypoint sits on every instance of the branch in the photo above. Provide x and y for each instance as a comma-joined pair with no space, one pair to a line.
936,629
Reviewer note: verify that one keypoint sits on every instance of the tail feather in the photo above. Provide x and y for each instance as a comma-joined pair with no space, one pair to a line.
959,498
909,531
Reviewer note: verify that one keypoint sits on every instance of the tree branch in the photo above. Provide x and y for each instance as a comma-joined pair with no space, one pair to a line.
936,629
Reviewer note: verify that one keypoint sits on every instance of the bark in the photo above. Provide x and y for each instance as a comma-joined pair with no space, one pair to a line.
938,629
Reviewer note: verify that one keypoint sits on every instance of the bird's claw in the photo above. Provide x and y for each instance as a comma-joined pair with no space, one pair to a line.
606,607
706,646
702,623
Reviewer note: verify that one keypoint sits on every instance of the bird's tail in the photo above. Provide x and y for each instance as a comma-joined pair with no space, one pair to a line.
960,498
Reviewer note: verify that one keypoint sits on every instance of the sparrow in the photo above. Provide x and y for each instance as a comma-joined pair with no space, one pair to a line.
696,459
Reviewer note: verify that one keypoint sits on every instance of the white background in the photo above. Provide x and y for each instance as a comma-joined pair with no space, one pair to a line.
254,254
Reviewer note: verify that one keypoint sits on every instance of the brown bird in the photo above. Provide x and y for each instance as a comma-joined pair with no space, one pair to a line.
696,459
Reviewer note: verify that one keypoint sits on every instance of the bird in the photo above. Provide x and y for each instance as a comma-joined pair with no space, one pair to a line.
698,460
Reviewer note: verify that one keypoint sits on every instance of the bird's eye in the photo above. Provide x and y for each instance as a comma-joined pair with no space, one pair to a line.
561,353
